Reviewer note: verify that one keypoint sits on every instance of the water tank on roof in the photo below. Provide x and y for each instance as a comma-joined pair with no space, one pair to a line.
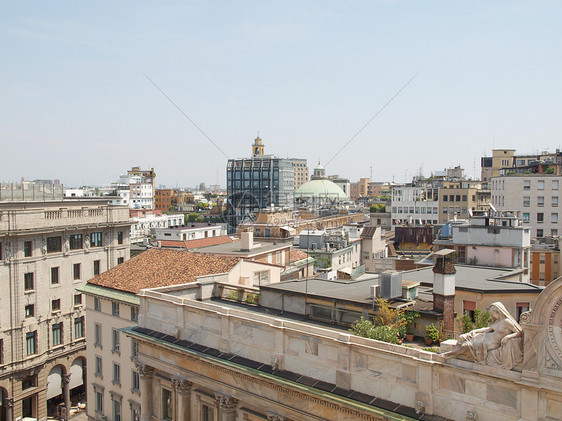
446,231
391,285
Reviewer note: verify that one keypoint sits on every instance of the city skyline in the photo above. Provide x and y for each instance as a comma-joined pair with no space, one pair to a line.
305,75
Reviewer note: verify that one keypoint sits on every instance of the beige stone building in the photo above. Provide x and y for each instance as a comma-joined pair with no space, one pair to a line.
457,198
208,360
47,250
112,304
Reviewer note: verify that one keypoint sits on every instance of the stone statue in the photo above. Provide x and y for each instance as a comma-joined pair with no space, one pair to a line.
498,345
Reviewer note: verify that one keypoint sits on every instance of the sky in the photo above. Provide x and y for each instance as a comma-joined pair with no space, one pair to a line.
77,102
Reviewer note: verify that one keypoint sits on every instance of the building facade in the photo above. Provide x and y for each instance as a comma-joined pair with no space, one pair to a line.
457,198
415,205
47,250
533,197
259,182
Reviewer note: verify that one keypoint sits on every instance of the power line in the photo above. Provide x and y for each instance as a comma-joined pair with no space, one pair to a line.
373,117
185,115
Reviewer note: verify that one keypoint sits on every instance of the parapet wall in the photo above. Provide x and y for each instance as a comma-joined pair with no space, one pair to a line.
407,376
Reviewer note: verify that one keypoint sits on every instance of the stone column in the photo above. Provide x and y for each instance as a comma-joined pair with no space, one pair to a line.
66,394
145,374
9,403
227,407
183,398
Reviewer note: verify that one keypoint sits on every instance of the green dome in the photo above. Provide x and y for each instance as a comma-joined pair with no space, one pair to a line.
320,189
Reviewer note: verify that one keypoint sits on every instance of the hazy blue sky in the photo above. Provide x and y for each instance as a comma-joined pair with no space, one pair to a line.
75,105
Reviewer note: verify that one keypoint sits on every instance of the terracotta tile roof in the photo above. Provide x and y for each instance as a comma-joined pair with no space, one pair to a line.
201,242
296,255
162,267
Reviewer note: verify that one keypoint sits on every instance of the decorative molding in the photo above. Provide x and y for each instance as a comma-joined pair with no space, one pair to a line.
525,317
272,416
182,386
226,403
554,338
144,370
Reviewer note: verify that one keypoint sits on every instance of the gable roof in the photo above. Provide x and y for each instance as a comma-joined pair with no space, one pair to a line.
162,267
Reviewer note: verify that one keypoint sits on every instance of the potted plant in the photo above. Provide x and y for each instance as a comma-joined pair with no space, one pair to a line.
409,317
431,334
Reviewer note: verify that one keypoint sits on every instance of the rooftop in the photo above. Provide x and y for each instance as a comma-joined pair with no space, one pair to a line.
200,242
162,267
235,249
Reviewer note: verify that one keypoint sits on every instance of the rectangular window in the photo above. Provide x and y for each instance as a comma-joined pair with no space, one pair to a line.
526,216
55,305
207,413
135,414
526,201
555,201
445,198
96,267
95,239
540,201
115,308
135,381
540,233
166,405
77,299
465,198
554,217
28,382
115,336
554,233
134,313
120,260
97,303
28,248
76,270
97,334
98,371
261,277
526,184
29,311
79,327
75,241
458,197
55,275
54,244
28,281
134,348
540,217
540,185
116,410
56,332
31,343
99,402
116,373
120,237
468,308
555,184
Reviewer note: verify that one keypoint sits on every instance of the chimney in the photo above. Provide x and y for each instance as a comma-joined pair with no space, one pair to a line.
444,287
246,240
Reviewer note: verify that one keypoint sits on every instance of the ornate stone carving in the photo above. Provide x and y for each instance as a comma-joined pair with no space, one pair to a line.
554,328
9,402
144,370
550,363
525,317
65,379
272,416
498,345
226,403
182,386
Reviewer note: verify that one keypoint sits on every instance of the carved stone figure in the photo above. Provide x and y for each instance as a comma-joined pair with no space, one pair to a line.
498,345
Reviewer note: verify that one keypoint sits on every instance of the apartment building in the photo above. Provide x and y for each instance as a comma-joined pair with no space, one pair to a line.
492,166
47,250
457,198
415,205
533,197
163,199
112,304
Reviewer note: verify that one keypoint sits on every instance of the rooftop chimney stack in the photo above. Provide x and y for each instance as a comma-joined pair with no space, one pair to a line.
246,240
444,287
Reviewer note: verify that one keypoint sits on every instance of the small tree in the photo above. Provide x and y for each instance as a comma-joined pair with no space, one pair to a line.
481,319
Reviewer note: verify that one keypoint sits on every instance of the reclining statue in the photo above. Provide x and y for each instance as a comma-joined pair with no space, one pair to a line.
499,345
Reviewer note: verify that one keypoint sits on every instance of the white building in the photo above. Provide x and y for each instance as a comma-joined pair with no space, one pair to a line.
145,223
194,231
491,241
47,250
533,197
415,205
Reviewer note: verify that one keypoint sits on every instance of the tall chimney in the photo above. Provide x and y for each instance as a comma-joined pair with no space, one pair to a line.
444,287
246,240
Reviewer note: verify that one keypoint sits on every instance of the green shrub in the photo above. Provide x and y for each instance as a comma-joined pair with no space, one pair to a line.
481,319
432,332
384,333
252,298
